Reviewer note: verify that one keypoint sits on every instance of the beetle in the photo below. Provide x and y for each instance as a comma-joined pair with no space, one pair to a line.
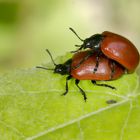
107,70
112,45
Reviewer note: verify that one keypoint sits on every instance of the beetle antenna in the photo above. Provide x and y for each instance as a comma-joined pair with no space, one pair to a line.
76,34
78,46
51,57
44,68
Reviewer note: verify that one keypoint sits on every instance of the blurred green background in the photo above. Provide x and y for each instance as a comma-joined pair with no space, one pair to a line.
28,27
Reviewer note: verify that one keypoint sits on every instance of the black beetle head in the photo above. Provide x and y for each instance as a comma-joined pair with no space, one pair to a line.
59,68
93,42
63,68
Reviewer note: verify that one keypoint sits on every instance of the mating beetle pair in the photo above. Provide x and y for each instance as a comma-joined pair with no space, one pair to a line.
107,58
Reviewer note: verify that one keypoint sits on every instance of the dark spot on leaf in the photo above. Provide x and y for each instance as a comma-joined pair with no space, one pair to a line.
111,101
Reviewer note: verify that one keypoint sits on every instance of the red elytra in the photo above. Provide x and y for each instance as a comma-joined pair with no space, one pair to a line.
85,70
121,50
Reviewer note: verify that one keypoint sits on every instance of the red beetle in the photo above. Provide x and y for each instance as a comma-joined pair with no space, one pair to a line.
114,46
107,70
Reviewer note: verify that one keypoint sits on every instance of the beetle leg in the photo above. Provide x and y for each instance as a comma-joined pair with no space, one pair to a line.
84,59
67,88
80,48
104,85
81,90
113,64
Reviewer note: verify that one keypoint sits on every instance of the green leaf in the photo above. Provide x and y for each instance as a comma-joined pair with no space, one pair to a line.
32,108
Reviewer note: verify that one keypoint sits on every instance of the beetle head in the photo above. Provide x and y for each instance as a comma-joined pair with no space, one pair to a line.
92,42
59,68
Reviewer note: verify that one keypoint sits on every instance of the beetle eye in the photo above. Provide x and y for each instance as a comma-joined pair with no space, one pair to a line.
59,70
88,44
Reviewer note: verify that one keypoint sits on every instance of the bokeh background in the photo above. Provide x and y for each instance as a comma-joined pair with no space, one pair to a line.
28,27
